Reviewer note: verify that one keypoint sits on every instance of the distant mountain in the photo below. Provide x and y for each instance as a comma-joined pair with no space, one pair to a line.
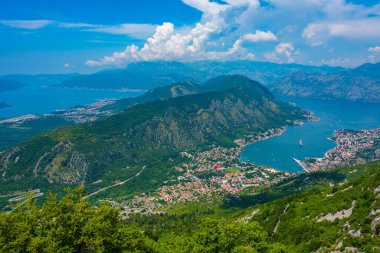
360,84
148,75
142,76
150,134
264,72
368,70
6,85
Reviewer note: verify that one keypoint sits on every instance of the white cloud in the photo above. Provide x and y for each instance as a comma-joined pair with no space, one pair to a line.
139,31
374,49
285,49
27,24
259,36
66,65
205,6
283,52
75,25
204,41
227,27
361,29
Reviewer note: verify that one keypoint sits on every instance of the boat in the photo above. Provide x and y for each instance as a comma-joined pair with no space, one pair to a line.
300,142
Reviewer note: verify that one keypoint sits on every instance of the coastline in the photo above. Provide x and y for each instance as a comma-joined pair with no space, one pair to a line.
352,147
309,117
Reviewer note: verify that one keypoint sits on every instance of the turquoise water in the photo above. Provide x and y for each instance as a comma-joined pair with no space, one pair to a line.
278,152
34,99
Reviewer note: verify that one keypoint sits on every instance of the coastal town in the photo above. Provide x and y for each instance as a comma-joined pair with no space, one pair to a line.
220,172
353,147
81,114
217,171
78,114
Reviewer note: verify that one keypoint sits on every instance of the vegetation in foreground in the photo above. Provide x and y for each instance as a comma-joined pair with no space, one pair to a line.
317,218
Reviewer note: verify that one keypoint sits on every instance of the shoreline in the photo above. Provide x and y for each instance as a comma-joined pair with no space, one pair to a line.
281,130
349,144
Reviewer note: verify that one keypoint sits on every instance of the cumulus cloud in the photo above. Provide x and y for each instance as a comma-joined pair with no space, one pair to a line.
259,36
205,41
305,31
285,49
374,49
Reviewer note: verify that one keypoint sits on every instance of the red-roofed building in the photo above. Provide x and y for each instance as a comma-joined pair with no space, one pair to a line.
217,166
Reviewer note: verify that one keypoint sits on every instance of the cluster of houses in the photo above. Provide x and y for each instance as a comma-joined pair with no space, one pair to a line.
353,147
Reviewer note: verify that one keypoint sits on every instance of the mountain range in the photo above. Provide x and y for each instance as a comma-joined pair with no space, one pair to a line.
360,84
323,82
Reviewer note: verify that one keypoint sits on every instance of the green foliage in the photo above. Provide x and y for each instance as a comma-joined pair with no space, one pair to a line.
71,224
150,134
67,225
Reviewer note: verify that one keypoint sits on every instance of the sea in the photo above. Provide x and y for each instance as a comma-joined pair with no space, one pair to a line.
278,152
33,99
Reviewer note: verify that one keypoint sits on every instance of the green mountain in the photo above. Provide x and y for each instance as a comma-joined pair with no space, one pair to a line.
148,135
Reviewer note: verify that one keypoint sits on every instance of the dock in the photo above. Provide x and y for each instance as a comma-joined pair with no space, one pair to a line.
301,164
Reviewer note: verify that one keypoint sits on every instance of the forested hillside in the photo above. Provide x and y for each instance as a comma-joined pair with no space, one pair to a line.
336,211
147,135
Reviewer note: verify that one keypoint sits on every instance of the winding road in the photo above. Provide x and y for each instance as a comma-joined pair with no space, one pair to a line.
110,186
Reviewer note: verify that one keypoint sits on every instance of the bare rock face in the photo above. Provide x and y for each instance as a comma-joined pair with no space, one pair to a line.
347,85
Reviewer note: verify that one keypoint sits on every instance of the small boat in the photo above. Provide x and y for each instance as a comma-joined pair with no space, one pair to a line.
300,142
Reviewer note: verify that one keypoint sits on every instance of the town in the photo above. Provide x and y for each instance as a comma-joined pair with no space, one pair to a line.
217,171
353,147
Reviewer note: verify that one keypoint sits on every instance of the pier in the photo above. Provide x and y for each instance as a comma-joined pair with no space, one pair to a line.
301,164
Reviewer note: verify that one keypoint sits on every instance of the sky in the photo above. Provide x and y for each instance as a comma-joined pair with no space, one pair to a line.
45,36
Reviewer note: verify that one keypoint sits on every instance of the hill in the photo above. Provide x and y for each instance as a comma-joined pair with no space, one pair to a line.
147,135
334,211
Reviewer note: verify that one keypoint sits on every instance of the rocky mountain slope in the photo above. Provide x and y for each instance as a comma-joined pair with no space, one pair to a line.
360,84
150,134
334,211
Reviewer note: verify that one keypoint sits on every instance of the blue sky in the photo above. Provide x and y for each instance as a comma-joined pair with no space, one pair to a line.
42,36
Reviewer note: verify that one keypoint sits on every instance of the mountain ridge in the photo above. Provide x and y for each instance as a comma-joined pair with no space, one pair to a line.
147,134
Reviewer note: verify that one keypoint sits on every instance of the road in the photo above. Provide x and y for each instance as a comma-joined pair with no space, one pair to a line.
117,184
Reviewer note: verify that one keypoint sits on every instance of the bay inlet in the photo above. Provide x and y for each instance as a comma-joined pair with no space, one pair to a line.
280,152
